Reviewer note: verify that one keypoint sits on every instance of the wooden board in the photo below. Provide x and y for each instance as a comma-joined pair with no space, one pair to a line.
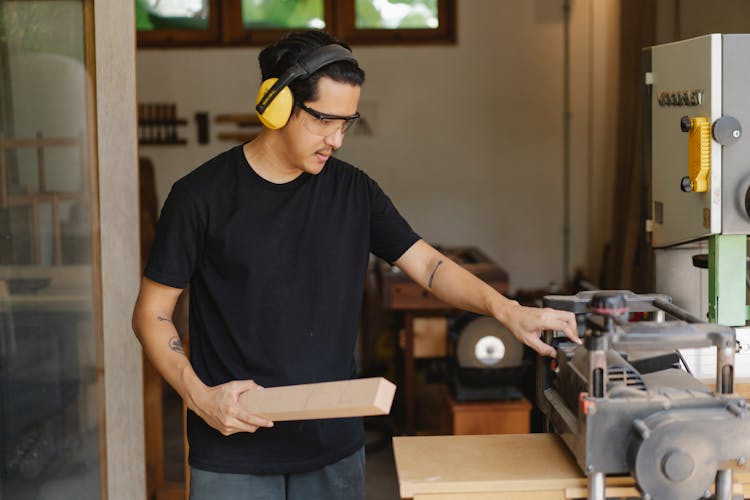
509,462
497,495
238,137
430,337
345,398
239,119
742,388
496,466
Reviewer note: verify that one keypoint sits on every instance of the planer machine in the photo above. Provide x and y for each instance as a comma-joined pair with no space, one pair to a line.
624,402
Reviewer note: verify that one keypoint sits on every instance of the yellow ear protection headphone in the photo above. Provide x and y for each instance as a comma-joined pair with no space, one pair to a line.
274,102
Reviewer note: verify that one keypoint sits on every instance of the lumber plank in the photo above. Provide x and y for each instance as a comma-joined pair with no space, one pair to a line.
344,398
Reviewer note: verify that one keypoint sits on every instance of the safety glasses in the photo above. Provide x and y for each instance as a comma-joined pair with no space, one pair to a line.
324,124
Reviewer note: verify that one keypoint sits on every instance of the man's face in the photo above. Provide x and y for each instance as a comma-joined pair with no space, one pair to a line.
307,149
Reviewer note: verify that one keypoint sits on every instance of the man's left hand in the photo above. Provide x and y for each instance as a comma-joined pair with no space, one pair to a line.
527,324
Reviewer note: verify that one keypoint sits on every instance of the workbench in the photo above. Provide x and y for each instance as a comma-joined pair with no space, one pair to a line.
400,293
500,467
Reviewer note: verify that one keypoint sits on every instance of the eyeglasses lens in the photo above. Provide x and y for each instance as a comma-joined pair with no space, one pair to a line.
323,126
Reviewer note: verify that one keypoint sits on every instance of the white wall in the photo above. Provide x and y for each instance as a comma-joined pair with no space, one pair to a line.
467,138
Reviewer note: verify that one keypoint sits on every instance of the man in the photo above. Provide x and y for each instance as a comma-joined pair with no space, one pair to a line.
274,238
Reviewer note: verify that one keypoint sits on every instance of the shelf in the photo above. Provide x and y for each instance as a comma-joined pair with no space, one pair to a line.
239,119
237,136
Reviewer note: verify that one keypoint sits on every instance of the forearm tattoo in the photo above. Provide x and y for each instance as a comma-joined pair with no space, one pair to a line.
432,276
176,345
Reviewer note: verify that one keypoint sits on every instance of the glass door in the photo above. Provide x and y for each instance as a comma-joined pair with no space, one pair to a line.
51,403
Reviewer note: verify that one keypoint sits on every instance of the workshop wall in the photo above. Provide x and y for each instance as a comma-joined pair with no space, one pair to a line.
466,139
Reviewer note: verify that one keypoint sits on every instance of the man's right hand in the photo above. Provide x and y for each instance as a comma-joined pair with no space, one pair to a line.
219,407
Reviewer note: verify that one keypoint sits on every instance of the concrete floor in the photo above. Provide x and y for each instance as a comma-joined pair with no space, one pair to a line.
381,481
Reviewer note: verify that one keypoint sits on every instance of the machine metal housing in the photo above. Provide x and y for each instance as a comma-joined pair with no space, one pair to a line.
706,77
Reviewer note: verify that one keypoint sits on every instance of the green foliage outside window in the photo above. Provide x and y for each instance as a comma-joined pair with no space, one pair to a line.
287,14
173,14
396,14
173,23
26,27
280,14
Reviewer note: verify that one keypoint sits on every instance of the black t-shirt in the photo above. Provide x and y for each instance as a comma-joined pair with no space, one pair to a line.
276,274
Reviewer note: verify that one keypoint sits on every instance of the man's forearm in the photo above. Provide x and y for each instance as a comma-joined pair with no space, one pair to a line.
164,349
450,282
456,286
459,288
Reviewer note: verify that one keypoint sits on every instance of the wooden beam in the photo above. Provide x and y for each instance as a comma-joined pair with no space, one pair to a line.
345,398
239,119
238,137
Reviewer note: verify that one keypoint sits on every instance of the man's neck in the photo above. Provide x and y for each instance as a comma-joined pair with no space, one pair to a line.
264,158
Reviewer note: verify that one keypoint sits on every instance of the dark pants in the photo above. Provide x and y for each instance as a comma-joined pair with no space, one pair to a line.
343,480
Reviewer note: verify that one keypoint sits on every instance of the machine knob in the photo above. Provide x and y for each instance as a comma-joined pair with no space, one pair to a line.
685,124
727,130
608,303
747,202
686,185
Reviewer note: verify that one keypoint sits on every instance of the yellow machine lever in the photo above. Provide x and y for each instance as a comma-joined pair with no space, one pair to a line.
699,153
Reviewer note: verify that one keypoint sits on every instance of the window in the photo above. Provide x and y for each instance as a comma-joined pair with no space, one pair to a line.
51,340
174,23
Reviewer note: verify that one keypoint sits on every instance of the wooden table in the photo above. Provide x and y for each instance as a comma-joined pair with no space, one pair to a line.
400,293
499,467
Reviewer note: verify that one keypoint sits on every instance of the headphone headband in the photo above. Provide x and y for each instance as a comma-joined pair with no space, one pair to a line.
318,58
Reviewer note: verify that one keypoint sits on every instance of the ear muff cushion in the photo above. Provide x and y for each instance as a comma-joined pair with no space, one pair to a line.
279,110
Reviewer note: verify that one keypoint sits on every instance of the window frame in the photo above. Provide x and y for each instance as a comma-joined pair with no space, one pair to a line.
226,29
445,33
165,38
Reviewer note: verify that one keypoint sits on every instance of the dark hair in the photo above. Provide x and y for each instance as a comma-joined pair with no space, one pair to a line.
281,55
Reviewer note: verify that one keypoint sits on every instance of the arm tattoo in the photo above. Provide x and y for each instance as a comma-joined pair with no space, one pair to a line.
162,318
176,345
432,276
